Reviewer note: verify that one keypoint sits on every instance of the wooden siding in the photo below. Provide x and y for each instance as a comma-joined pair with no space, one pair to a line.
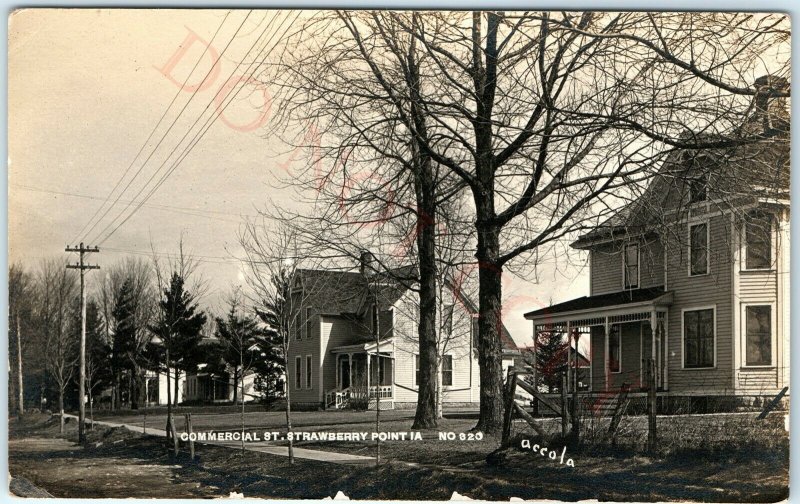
465,369
631,358
304,347
762,288
606,266
711,290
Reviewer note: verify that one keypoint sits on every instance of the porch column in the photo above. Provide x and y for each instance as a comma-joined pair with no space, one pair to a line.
653,329
338,373
350,370
569,357
606,368
368,377
146,395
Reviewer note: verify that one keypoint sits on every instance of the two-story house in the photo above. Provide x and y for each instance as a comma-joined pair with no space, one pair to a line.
695,273
355,340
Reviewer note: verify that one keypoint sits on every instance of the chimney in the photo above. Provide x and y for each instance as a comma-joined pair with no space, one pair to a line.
769,115
367,263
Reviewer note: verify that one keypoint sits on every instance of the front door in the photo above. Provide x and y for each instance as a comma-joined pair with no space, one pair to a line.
344,373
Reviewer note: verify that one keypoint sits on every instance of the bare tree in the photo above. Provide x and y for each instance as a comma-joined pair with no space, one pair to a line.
550,120
20,303
56,297
275,267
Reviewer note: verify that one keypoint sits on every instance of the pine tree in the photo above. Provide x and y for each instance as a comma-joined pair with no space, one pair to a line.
241,341
551,360
98,354
124,340
179,328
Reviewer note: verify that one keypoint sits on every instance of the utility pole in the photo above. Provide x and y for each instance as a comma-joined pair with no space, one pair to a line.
80,265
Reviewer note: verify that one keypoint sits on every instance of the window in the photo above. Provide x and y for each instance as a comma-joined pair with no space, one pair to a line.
698,249
631,265
615,350
298,372
447,371
698,189
474,330
758,329
306,321
758,231
447,320
296,326
698,338
416,370
308,371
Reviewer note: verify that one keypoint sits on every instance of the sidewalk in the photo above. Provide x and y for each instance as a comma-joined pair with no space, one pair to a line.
259,446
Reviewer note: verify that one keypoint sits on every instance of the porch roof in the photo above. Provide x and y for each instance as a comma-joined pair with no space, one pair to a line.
603,305
370,347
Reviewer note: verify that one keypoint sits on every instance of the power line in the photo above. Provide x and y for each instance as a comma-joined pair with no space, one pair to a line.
196,212
199,135
166,133
169,255
152,132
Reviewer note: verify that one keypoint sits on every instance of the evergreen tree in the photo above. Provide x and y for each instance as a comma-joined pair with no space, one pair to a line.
98,353
551,360
123,343
241,341
179,328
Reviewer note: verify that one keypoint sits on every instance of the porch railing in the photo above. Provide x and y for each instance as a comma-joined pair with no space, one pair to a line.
382,391
337,398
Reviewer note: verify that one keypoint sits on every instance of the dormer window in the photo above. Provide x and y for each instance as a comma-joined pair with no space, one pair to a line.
698,249
698,189
758,237
630,265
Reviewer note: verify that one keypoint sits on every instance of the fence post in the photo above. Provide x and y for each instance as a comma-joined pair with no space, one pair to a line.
174,431
508,404
564,405
189,434
651,405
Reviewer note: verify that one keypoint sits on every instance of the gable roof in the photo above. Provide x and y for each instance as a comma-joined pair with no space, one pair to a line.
347,293
751,170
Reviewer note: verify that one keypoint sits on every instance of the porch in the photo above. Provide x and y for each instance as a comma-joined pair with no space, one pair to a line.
364,376
626,330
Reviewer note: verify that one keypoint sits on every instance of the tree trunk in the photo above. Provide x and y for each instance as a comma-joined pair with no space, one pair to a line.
235,385
61,408
424,185
169,398
288,401
439,395
489,329
177,388
20,392
135,387
117,392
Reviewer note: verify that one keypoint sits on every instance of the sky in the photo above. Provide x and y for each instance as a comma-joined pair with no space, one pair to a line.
87,87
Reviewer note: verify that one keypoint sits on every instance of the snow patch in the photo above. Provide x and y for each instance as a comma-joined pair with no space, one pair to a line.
457,496
340,496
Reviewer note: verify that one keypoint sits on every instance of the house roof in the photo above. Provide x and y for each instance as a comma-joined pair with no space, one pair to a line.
603,301
756,169
347,293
